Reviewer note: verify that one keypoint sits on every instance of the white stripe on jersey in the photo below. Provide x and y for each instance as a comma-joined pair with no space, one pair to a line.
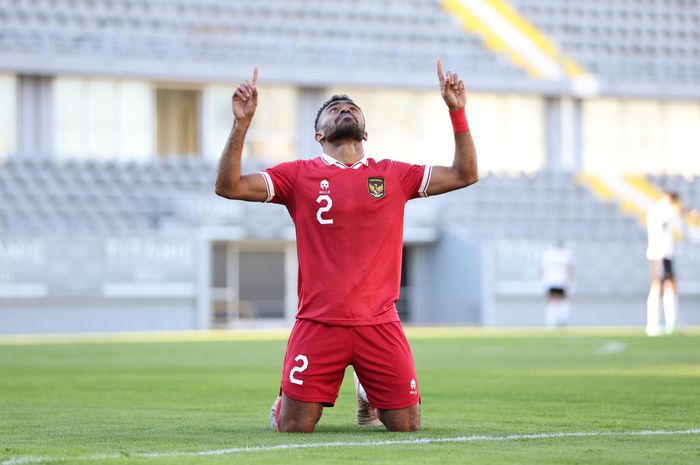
268,185
423,189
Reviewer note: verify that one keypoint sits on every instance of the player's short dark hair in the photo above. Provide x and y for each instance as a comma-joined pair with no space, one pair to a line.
673,195
333,99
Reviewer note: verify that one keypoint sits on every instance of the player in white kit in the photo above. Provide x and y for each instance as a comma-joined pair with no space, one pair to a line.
664,221
557,271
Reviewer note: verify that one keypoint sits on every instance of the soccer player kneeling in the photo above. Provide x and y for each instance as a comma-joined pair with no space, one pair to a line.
348,212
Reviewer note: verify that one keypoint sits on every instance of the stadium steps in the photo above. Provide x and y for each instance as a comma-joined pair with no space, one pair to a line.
543,206
647,48
507,32
635,194
93,197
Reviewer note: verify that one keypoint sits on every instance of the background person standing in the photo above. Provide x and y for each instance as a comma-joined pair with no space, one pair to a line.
557,273
664,222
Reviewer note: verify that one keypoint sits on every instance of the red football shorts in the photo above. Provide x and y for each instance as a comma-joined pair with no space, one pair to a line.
317,356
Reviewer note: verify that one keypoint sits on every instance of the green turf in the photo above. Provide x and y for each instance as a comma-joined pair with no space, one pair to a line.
110,402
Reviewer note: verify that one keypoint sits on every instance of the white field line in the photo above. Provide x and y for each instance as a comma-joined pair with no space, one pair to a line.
318,445
611,347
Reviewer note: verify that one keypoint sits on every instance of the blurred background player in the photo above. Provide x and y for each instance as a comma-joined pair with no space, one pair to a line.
348,213
557,271
664,224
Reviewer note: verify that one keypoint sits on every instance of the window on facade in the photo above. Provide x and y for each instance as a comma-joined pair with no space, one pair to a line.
177,116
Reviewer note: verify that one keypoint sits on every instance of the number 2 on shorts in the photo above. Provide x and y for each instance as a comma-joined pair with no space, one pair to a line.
298,369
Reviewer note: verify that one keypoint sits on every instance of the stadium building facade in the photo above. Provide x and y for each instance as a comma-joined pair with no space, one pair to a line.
113,114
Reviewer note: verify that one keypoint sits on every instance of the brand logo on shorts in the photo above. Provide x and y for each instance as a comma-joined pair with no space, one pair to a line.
376,187
414,387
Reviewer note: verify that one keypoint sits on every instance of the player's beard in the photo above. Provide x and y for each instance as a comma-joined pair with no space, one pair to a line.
345,130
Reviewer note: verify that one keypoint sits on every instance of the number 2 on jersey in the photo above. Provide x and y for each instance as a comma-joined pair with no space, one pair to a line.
324,209
298,369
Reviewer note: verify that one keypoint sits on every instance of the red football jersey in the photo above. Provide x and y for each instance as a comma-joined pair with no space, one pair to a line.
349,229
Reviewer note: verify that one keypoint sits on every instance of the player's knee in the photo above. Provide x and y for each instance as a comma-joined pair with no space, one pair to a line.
294,425
406,422
408,427
298,422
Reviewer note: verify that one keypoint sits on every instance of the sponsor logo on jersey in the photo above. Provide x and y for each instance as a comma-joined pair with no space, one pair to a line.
376,187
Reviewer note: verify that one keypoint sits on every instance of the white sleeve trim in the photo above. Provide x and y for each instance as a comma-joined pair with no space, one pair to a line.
423,189
268,185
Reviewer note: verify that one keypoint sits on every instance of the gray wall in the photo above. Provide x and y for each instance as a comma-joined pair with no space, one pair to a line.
611,285
96,315
447,281
154,283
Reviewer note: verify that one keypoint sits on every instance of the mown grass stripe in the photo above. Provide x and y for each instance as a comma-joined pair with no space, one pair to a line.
389,442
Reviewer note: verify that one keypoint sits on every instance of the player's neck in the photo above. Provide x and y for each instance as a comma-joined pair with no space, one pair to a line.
347,152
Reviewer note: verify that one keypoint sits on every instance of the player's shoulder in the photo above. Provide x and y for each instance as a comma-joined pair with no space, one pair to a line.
380,162
297,164
387,164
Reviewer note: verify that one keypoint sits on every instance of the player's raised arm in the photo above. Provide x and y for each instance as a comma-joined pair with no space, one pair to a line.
229,182
463,171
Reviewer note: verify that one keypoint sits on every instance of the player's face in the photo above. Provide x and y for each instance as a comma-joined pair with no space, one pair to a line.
341,120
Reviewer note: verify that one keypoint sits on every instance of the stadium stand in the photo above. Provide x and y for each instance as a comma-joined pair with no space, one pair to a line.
353,37
541,206
95,232
652,46
98,197
622,41
109,197
688,188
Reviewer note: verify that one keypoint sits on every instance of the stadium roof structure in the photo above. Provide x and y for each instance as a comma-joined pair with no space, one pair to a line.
639,48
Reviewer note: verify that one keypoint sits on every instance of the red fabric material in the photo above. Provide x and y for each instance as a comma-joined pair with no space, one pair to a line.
380,355
349,241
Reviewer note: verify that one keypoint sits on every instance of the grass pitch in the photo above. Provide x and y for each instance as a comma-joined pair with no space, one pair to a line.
526,397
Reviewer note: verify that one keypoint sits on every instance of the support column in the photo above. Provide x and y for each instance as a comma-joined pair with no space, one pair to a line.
203,312
309,101
35,117
563,133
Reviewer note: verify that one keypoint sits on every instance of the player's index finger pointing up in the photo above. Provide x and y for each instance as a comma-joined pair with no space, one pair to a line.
255,76
441,76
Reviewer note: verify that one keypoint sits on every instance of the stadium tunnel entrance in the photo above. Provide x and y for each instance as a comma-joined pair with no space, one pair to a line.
254,284
250,284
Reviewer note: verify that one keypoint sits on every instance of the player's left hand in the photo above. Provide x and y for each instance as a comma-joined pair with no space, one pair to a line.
452,89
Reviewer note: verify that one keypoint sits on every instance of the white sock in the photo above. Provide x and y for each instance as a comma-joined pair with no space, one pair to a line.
670,301
550,314
564,308
653,310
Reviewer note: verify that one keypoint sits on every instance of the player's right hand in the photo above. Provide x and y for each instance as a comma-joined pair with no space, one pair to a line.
245,99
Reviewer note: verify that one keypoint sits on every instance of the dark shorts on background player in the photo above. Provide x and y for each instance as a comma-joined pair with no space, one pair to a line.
318,354
559,292
662,270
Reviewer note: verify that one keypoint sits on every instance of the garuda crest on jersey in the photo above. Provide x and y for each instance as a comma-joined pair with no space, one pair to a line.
376,187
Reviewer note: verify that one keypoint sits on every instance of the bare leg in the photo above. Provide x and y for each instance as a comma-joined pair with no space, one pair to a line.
405,419
297,416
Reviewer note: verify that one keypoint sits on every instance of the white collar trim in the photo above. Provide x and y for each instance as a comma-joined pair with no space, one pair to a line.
332,161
